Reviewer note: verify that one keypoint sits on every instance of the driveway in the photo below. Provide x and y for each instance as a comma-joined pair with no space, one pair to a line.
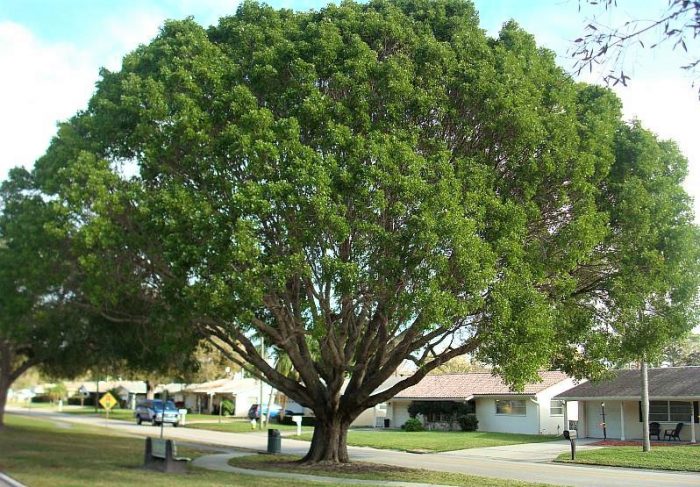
526,452
518,462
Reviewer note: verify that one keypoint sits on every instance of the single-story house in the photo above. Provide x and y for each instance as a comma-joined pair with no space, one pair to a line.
497,407
206,397
674,393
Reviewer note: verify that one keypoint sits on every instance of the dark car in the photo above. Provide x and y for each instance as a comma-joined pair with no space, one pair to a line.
152,411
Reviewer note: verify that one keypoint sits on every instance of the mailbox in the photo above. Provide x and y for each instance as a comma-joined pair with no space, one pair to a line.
571,436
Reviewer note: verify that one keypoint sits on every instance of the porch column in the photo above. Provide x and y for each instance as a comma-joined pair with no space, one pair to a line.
622,420
692,423
566,416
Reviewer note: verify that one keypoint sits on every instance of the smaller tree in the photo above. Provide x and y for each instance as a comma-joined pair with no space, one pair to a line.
58,392
460,365
38,325
685,352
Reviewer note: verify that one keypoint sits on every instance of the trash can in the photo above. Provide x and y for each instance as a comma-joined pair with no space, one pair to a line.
274,441
387,422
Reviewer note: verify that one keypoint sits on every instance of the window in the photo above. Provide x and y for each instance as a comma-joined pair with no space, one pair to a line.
556,407
669,411
513,407
680,411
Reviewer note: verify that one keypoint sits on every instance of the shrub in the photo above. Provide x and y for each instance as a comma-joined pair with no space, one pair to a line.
468,422
227,407
413,424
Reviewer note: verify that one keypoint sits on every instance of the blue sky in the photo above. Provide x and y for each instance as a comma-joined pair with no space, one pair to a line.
51,51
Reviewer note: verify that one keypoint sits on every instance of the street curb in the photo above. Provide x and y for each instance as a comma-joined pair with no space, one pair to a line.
9,481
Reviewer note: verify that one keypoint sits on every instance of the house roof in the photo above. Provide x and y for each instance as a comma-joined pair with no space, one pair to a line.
668,382
206,387
464,386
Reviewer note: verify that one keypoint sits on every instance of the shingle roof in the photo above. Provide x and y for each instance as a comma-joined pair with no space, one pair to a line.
665,382
452,386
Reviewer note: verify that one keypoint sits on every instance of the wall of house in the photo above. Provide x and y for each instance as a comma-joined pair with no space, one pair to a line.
397,412
244,400
553,424
503,423
591,417
371,417
591,410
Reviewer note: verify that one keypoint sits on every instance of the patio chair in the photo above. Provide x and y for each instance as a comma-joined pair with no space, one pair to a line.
674,433
655,430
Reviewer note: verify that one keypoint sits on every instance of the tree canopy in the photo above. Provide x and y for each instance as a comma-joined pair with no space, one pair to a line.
364,185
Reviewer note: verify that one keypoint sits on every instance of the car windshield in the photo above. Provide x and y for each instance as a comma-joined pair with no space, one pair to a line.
169,406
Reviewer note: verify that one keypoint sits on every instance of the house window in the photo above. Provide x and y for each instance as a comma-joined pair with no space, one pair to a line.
512,407
669,411
556,407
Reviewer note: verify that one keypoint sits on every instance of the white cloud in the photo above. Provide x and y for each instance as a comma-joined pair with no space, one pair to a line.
670,108
41,84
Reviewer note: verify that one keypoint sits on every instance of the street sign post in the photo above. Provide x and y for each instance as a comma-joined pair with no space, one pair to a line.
108,402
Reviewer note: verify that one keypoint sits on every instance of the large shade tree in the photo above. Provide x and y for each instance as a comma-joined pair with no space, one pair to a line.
358,187
37,326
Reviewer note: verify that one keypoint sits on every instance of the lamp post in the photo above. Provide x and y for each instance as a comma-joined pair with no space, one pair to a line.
604,426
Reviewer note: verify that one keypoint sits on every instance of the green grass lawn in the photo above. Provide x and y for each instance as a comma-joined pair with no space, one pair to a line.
39,454
241,426
370,471
123,414
128,414
434,440
659,458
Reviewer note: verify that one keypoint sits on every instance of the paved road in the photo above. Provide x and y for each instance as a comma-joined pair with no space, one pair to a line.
519,462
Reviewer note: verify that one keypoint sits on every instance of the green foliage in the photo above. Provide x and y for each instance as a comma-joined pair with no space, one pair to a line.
367,184
451,408
468,422
413,424
58,392
228,407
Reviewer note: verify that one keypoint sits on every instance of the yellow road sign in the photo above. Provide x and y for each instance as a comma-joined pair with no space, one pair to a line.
107,401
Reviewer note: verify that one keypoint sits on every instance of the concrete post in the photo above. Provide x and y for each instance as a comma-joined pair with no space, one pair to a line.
692,423
622,420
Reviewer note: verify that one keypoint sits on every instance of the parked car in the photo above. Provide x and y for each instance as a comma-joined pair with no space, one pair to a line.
275,411
152,411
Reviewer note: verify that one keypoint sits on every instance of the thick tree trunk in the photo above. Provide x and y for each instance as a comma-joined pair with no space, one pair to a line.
329,443
4,388
645,406
150,389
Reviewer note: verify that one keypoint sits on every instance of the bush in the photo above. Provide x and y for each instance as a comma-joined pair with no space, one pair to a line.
413,424
468,422
227,407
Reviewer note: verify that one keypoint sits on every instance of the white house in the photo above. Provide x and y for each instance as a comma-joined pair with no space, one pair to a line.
497,407
244,392
674,393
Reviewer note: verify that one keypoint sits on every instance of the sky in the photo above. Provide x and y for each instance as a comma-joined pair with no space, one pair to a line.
51,52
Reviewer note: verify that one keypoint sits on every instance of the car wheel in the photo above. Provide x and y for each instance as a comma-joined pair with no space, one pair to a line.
154,422
139,420
175,425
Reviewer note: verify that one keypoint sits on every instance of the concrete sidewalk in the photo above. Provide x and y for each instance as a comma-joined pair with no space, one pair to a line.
519,462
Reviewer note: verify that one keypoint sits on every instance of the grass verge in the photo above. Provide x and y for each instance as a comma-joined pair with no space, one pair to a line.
370,471
682,458
241,426
39,454
434,441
